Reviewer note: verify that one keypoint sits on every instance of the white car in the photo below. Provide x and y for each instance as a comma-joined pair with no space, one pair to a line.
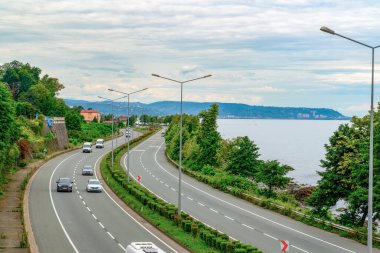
143,247
99,143
87,147
94,185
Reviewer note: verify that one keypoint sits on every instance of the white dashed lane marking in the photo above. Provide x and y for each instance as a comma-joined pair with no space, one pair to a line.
113,238
274,238
247,226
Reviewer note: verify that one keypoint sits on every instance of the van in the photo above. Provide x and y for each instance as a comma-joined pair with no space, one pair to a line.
87,147
99,143
143,247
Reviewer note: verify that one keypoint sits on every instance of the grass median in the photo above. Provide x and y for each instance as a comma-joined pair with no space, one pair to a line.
183,228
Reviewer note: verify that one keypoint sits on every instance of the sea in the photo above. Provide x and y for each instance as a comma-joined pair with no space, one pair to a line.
298,143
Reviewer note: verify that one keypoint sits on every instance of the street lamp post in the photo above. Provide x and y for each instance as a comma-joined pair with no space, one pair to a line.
180,134
127,95
370,177
111,100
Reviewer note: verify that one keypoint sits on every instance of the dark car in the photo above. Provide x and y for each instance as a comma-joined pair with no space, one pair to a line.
64,184
87,170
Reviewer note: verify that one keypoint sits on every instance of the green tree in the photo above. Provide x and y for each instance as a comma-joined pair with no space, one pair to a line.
273,175
52,85
9,129
208,137
346,172
243,157
26,109
73,120
19,77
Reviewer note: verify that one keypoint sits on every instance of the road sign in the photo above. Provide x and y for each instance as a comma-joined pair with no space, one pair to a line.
138,178
284,246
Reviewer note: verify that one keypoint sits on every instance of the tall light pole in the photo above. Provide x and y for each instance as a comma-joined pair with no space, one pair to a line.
370,177
111,100
180,134
127,95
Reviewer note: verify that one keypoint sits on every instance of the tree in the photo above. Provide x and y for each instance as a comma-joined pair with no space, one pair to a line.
243,157
272,174
208,137
19,77
346,172
132,120
73,120
52,85
26,109
9,129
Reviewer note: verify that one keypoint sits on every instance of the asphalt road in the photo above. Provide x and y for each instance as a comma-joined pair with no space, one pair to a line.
237,218
81,221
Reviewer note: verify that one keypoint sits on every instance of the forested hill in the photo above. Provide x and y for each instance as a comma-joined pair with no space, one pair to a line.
226,110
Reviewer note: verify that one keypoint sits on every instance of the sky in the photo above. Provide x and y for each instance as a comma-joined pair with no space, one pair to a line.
259,52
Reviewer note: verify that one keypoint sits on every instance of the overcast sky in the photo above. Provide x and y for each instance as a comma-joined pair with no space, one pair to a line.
260,52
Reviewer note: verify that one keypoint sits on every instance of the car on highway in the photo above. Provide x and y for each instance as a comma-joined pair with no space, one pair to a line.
87,170
93,185
143,247
99,143
64,184
128,133
87,147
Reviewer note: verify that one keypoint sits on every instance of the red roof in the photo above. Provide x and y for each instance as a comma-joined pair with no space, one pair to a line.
89,111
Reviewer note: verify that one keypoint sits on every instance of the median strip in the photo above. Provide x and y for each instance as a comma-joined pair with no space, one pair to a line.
190,232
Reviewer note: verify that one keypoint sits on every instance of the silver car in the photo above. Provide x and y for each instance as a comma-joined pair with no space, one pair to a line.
88,170
94,185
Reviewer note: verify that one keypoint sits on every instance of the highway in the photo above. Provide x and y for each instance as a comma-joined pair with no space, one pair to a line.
82,221
237,218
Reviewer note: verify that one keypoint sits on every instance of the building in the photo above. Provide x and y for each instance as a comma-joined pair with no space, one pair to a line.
89,115
123,119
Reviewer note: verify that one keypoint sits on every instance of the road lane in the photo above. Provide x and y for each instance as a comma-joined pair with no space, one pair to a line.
233,216
93,221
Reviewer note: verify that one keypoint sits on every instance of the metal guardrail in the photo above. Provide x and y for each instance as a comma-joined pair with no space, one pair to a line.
334,225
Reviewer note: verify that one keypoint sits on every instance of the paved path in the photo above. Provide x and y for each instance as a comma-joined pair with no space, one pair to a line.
11,228
233,216
82,221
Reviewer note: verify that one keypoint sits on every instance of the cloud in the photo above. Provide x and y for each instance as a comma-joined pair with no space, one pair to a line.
271,48
189,69
357,109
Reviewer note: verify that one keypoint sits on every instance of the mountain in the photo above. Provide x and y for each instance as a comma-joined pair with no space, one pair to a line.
226,110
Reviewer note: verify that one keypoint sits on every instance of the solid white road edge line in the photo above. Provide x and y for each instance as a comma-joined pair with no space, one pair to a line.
55,210
245,210
141,225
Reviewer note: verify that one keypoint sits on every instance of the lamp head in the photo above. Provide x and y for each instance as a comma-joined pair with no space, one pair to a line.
111,89
207,76
155,75
327,30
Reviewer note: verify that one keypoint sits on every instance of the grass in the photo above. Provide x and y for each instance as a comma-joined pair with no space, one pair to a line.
287,208
184,229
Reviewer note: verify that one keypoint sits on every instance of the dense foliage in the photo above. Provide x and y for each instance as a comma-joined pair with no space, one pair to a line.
346,172
32,93
233,163
89,132
9,129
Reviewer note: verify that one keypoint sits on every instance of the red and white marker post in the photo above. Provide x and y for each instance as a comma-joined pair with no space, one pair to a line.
284,246
139,178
